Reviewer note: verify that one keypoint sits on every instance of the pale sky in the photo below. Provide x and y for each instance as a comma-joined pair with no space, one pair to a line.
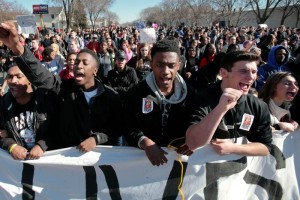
127,10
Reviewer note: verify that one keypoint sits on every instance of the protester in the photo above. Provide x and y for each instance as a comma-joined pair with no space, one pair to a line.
126,48
68,72
208,56
231,40
53,65
37,49
28,114
94,45
58,56
73,46
89,112
155,109
106,61
278,58
122,77
220,117
266,46
141,62
279,92
190,71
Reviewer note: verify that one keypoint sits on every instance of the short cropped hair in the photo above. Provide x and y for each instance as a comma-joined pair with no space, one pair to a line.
232,57
165,45
92,53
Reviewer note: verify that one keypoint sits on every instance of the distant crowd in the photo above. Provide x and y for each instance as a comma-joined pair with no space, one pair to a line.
132,91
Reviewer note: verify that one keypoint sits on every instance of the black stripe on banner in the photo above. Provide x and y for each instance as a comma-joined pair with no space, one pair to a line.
171,189
112,181
27,182
273,188
214,171
91,186
278,155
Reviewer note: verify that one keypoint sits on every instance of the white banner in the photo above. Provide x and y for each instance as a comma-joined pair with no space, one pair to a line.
125,173
26,24
147,35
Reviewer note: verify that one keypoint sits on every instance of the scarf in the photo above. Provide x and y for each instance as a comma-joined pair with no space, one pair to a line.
277,112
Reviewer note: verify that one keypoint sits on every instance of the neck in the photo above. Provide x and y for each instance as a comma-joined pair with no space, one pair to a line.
277,101
167,92
24,99
89,86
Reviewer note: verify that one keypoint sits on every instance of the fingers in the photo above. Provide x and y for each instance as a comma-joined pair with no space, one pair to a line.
231,94
158,162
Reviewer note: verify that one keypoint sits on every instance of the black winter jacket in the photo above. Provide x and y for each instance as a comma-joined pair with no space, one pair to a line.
155,124
45,116
260,131
78,120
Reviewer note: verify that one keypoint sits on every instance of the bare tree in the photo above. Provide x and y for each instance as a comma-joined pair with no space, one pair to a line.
9,10
96,7
297,7
68,9
232,11
79,15
171,11
152,14
112,18
263,9
201,9
287,8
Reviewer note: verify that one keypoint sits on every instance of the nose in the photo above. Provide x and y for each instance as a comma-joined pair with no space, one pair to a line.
165,69
251,75
14,79
295,86
78,65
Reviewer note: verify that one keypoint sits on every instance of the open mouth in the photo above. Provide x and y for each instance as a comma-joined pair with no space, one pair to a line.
291,94
244,87
166,80
79,76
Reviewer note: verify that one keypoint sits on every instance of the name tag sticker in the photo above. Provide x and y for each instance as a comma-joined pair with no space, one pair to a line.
247,122
147,105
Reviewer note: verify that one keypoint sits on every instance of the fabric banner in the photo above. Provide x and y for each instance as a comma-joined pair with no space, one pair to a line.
26,24
125,173
147,35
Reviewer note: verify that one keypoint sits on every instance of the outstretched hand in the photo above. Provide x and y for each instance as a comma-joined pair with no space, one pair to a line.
155,154
9,36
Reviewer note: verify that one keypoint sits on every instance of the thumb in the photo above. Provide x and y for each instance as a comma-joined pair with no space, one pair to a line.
164,152
218,140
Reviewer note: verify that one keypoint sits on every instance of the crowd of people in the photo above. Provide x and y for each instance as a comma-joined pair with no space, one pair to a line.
194,86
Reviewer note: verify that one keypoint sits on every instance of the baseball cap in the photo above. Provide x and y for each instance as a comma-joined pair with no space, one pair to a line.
120,55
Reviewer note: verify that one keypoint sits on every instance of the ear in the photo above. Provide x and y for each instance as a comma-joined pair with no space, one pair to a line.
95,71
223,73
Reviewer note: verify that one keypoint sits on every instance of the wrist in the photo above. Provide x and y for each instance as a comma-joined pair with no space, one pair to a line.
11,148
146,142
96,137
18,49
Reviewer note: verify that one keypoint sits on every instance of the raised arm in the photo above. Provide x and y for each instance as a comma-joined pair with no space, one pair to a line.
29,65
200,134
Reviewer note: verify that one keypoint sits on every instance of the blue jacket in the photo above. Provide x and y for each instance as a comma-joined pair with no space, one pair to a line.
271,67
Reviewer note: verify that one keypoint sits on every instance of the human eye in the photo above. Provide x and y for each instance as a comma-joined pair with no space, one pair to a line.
8,76
243,71
159,65
171,65
20,76
77,62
